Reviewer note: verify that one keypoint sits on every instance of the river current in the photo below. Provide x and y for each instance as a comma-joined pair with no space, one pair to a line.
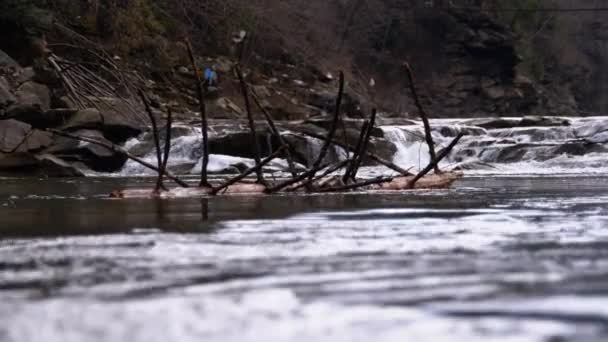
513,252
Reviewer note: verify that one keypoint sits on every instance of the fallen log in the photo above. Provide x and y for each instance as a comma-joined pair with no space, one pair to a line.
435,181
257,168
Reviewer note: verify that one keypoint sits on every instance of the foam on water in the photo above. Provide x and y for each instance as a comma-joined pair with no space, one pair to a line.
267,315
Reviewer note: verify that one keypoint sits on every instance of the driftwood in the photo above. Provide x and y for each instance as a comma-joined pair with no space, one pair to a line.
368,136
247,172
433,164
276,133
348,174
308,174
423,115
166,152
203,109
359,185
257,154
310,179
435,181
308,183
362,149
370,155
118,149
155,135
332,131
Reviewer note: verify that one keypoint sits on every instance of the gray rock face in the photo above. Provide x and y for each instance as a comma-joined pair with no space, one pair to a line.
32,99
326,101
16,136
6,97
34,94
93,156
115,127
529,121
7,61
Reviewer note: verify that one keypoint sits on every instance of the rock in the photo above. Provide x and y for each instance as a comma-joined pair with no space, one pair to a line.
493,123
326,101
6,97
182,70
25,75
34,94
93,156
579,149
31,99
51,166
494,92
49,119
16,136
223,104
239,144
114,126
532,121
36,165
325,122
7,61
454,130
261,91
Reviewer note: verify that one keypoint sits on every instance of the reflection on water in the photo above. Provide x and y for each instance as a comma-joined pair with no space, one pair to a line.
506,259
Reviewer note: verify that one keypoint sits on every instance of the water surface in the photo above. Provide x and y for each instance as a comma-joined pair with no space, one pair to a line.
517,258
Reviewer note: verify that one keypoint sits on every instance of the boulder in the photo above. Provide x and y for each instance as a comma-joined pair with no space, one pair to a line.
239,144
6,97
325,122
35,95
326,101
454,130
50,118
93,156
16,136
7,61
543,121
493,123
51,166
36,165
114,126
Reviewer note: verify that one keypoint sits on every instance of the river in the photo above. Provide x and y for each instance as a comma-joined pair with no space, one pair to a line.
515,251
508,258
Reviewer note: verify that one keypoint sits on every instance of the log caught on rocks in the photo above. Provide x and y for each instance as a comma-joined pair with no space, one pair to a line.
247,172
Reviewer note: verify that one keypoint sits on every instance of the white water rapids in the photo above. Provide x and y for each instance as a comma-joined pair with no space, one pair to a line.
539,149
